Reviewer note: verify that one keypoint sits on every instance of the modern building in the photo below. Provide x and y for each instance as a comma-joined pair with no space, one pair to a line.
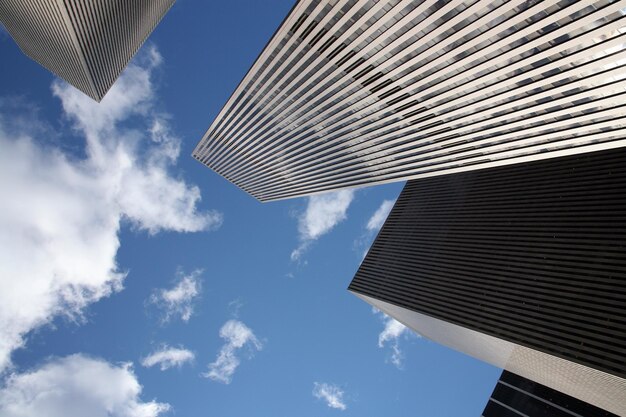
515,396
87,43
357,92
522,266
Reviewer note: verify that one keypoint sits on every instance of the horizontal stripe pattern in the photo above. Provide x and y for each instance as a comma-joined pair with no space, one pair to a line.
351,93
530,253
86,43
515,396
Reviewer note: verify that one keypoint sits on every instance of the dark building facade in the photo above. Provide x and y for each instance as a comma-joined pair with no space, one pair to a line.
523,266
87,43
515,396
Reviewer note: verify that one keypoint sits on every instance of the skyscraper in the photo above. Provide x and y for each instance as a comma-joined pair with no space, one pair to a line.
522,266
87,43
515,396
357,92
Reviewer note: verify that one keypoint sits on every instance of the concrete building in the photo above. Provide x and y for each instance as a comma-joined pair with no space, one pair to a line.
87,43
522,266
356,92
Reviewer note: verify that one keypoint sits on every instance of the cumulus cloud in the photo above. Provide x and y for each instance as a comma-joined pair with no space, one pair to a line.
168,357
62,211
332,394
77,386
132,165
179,300
237,336
391,335
322,214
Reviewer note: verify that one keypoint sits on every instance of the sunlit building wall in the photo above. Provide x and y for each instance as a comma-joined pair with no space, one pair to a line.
354,93
87,43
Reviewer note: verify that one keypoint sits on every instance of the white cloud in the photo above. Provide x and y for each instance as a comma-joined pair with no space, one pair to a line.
378,218
133,171
237,336
375,222
235,306
332,394
179,300
391,335
61,214
168,357
76,386
322,214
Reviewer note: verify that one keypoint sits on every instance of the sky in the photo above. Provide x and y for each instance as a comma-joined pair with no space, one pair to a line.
135,282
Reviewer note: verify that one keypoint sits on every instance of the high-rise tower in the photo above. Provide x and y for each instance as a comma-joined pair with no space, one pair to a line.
87,43
358,92
522,266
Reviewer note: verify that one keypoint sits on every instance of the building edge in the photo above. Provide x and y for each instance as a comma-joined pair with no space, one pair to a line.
590,385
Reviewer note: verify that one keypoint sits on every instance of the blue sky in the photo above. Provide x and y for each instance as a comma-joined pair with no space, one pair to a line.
136,282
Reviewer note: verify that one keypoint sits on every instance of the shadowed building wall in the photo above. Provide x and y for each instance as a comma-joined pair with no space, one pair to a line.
515,396
523,266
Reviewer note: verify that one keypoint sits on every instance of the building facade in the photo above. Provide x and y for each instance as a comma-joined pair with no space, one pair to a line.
86,43
515,396
358,92
522,266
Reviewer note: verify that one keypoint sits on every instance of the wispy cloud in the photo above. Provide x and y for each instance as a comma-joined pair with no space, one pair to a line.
179,300
322,214
330,393
237,336
168,357
235,306
372,226
61,213
77,386
380,215
391,335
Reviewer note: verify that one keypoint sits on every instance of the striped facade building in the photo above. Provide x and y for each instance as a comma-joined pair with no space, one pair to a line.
522,266
86,43
350,93
515,396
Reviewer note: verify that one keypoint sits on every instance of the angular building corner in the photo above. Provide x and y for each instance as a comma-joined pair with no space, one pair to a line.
86,43
522,266
357,92
508,118
515,396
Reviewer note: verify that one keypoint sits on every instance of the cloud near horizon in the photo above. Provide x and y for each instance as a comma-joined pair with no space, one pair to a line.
237,336
322,214
77,385
331,394
62,213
